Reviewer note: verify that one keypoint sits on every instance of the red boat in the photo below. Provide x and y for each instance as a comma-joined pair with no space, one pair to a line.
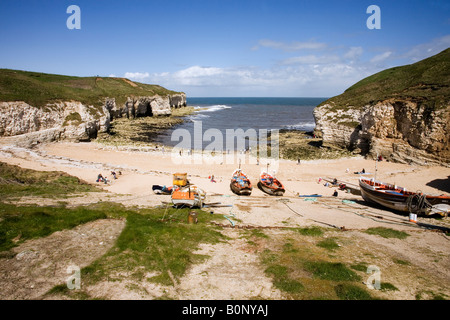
240,184
270,184
400,199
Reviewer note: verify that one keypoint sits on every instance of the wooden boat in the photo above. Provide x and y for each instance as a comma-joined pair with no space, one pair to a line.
157,189
400,199
270,185
240,184
189,196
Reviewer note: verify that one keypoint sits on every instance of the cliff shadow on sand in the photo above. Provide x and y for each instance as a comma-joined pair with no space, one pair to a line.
441,184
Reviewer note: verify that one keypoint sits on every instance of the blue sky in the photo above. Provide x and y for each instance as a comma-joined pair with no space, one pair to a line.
224,48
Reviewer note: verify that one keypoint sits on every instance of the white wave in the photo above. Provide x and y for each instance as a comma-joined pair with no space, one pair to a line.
301,126
216,108
198,117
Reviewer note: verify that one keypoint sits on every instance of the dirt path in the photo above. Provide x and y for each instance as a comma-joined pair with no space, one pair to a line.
232,273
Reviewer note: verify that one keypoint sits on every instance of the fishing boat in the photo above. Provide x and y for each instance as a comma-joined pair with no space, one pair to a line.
240,184
270,185
400,199
157,189
189,196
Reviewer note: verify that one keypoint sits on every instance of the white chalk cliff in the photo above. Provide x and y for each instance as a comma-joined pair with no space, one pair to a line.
74,121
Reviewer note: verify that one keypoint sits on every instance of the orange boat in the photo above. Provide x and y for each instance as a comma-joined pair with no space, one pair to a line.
270,185
190,196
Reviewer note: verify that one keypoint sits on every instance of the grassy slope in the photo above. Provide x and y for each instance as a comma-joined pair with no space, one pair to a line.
17,182
39,89
426,81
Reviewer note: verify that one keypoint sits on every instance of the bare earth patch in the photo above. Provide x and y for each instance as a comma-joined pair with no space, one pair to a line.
232,272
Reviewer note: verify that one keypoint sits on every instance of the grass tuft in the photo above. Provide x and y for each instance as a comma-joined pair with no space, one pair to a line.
347,291
334,271
387,233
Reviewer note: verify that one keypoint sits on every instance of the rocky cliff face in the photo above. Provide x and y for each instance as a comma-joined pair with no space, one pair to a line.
71,120
399,130
146,106
401,113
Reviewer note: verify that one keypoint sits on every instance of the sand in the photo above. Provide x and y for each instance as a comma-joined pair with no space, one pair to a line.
140,169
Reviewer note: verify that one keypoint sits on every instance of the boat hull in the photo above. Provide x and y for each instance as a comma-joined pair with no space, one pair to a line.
241,191
187,198
161,190
240,184
186,203
270,185
271,190
395,198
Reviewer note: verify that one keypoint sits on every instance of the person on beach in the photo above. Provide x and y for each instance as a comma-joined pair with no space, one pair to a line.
100,178
113,174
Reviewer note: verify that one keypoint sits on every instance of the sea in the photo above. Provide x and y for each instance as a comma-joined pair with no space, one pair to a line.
220,114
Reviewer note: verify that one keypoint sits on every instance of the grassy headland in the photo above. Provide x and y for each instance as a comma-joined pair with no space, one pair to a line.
40,89
426,82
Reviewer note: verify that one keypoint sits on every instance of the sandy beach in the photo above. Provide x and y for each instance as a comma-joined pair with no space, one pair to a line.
142,169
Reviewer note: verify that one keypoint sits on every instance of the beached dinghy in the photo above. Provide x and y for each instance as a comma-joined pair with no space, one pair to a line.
189,196
157,189
399,199
240,183
270,185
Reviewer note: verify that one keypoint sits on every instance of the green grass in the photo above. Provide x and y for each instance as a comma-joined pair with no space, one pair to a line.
17,182
149,244
329,244
386,286
426,82
40,89
302,270
73,118
310,231
387,233
359,266
334,271
346,291
158,240
280,274
21,223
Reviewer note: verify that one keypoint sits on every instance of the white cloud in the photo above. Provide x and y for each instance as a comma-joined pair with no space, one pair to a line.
311,59
198,72
112,75
381,57
137,75
353,53
428,49
293,46
310,79
327,72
